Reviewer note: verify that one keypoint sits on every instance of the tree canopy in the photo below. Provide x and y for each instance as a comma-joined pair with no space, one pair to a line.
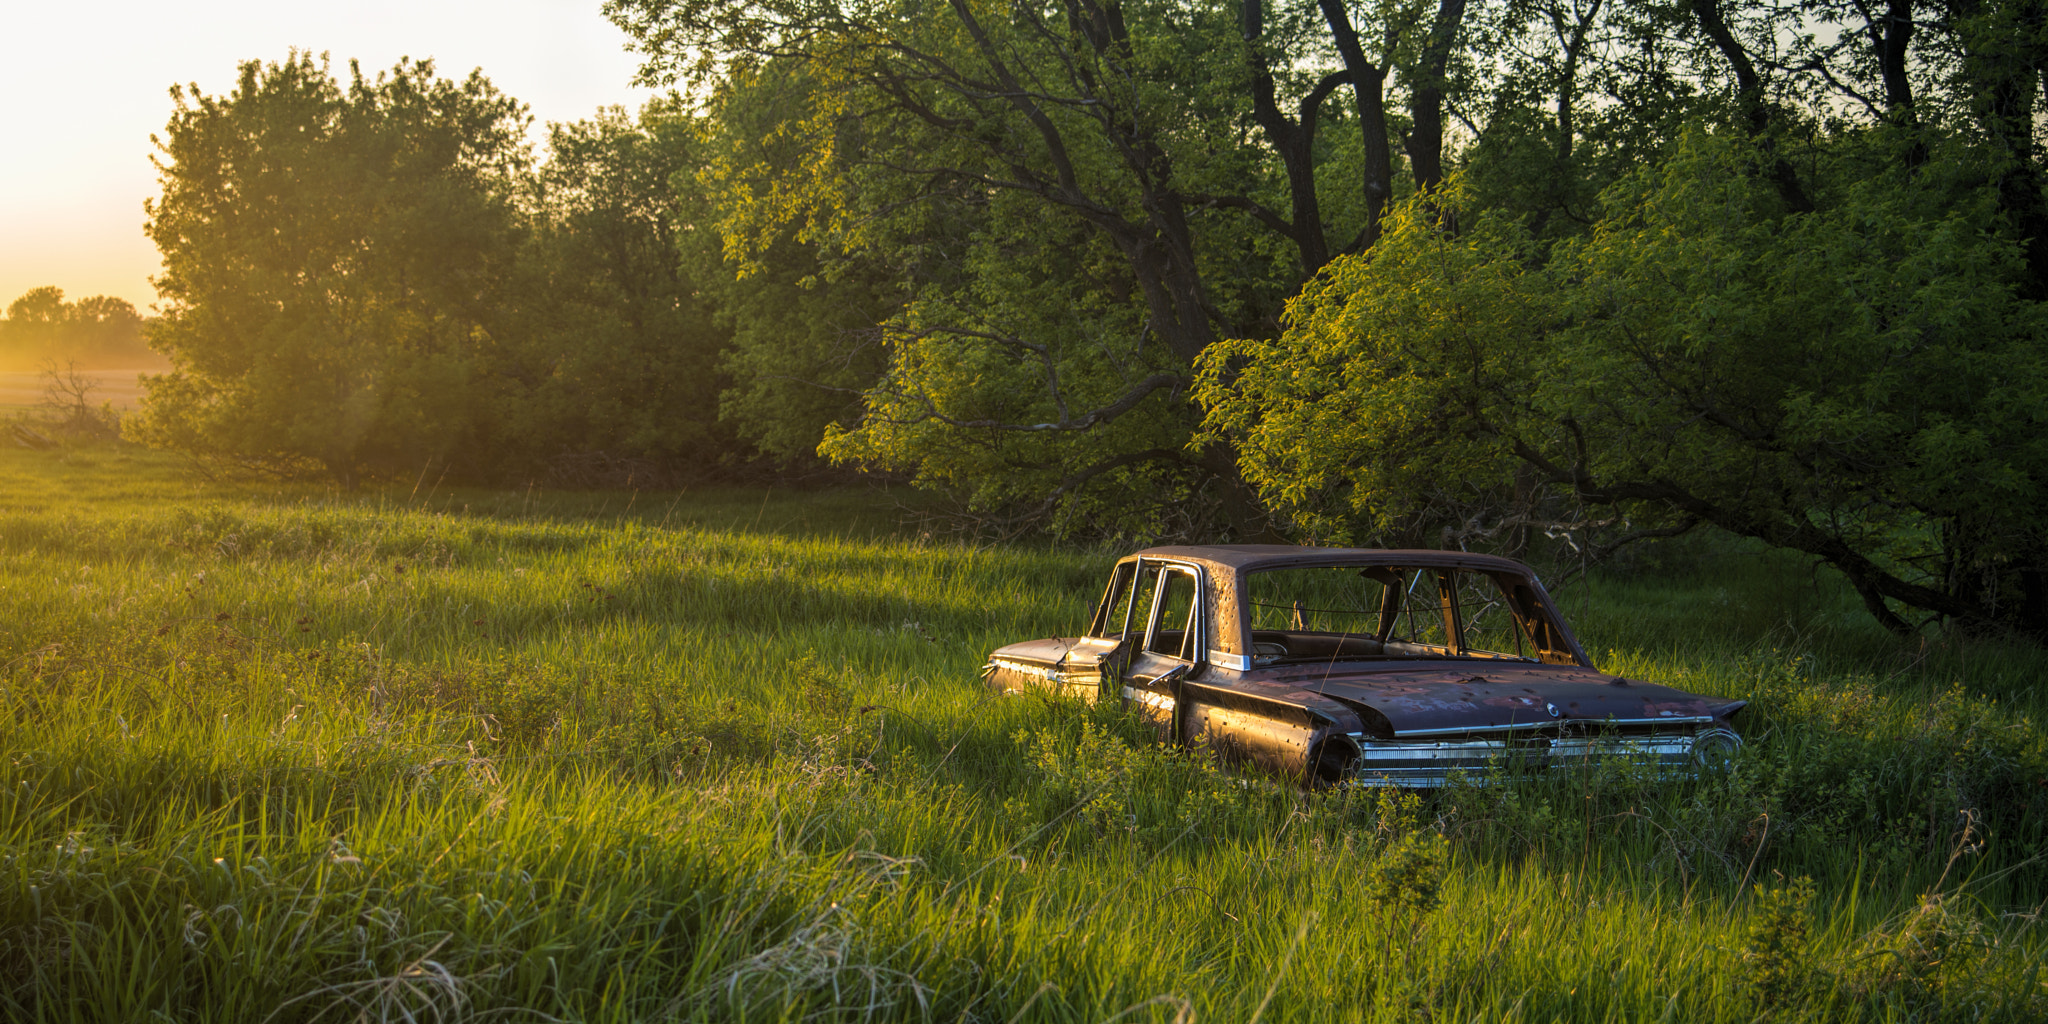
1075,201
377,278
1862,384
330,254
1431,272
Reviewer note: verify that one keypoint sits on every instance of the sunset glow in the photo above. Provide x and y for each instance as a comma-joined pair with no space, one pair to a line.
86,86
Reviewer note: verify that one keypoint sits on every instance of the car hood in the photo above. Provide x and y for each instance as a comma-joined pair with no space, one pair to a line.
1430,699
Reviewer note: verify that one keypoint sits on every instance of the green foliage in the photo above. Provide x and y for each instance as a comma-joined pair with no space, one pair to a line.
1406,882
802,312
1053,261
985,393
1095,784
1854,383
1928,961
804,349
1704,266
988,248
442,304
1776,959
1354,420
330,260
609,346
1875,355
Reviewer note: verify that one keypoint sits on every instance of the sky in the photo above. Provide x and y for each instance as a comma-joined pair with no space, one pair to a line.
83,86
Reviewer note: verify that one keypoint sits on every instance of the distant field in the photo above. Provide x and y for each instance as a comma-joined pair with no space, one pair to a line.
25,390
270,752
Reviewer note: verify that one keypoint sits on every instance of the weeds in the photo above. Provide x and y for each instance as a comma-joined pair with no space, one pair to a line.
1110,788
1778,959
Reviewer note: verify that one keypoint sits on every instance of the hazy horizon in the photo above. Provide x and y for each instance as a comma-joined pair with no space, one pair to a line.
77,170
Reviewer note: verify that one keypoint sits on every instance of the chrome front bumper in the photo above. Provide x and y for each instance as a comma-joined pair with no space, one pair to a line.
1425,764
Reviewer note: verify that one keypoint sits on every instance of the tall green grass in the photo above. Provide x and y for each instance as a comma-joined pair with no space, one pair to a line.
274,753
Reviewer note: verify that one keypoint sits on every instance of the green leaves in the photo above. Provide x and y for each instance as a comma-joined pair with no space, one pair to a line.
1060,204
374,279
1364,408
1859,383
329,258
611,346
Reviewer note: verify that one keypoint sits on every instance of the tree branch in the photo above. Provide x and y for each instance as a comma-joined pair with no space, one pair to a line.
1089,420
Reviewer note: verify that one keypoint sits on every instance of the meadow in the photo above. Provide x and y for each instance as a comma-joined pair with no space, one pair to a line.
25,391
277,753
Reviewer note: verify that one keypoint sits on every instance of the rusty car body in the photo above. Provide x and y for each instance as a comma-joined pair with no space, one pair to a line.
1351,665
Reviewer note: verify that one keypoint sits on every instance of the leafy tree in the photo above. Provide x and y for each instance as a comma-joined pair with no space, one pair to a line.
1862,383
333,261
802,314
611,347
805,348
1027,382
1813,317
35,321
1107,148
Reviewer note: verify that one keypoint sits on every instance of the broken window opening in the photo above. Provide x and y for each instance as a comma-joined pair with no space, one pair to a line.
1174,628
1387,611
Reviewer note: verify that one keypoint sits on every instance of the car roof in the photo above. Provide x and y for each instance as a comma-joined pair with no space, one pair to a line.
1253,557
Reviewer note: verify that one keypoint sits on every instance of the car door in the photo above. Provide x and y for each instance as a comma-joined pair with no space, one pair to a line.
1095,664
1174,637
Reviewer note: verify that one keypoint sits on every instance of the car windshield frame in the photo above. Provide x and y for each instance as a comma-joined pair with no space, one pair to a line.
1534,624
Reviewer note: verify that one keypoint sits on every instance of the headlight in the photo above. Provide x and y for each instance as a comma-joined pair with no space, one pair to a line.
1713,749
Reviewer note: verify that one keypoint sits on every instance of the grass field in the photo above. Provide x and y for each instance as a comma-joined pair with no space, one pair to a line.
277,754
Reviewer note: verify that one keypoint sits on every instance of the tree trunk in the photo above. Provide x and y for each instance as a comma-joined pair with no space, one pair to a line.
2003,54
1426,104
1368,82
1749,94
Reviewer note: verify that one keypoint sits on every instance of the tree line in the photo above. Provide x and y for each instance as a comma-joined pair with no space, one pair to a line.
1448,273
376,276
40,326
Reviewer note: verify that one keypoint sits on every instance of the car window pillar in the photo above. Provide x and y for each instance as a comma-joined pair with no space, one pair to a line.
1107,623
1454,618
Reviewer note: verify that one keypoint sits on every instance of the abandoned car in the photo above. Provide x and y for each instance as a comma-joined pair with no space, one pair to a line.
1335,665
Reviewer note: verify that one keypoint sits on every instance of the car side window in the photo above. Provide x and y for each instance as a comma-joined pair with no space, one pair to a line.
1113,618
1489,626
1174,626
1548,643
1145,596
